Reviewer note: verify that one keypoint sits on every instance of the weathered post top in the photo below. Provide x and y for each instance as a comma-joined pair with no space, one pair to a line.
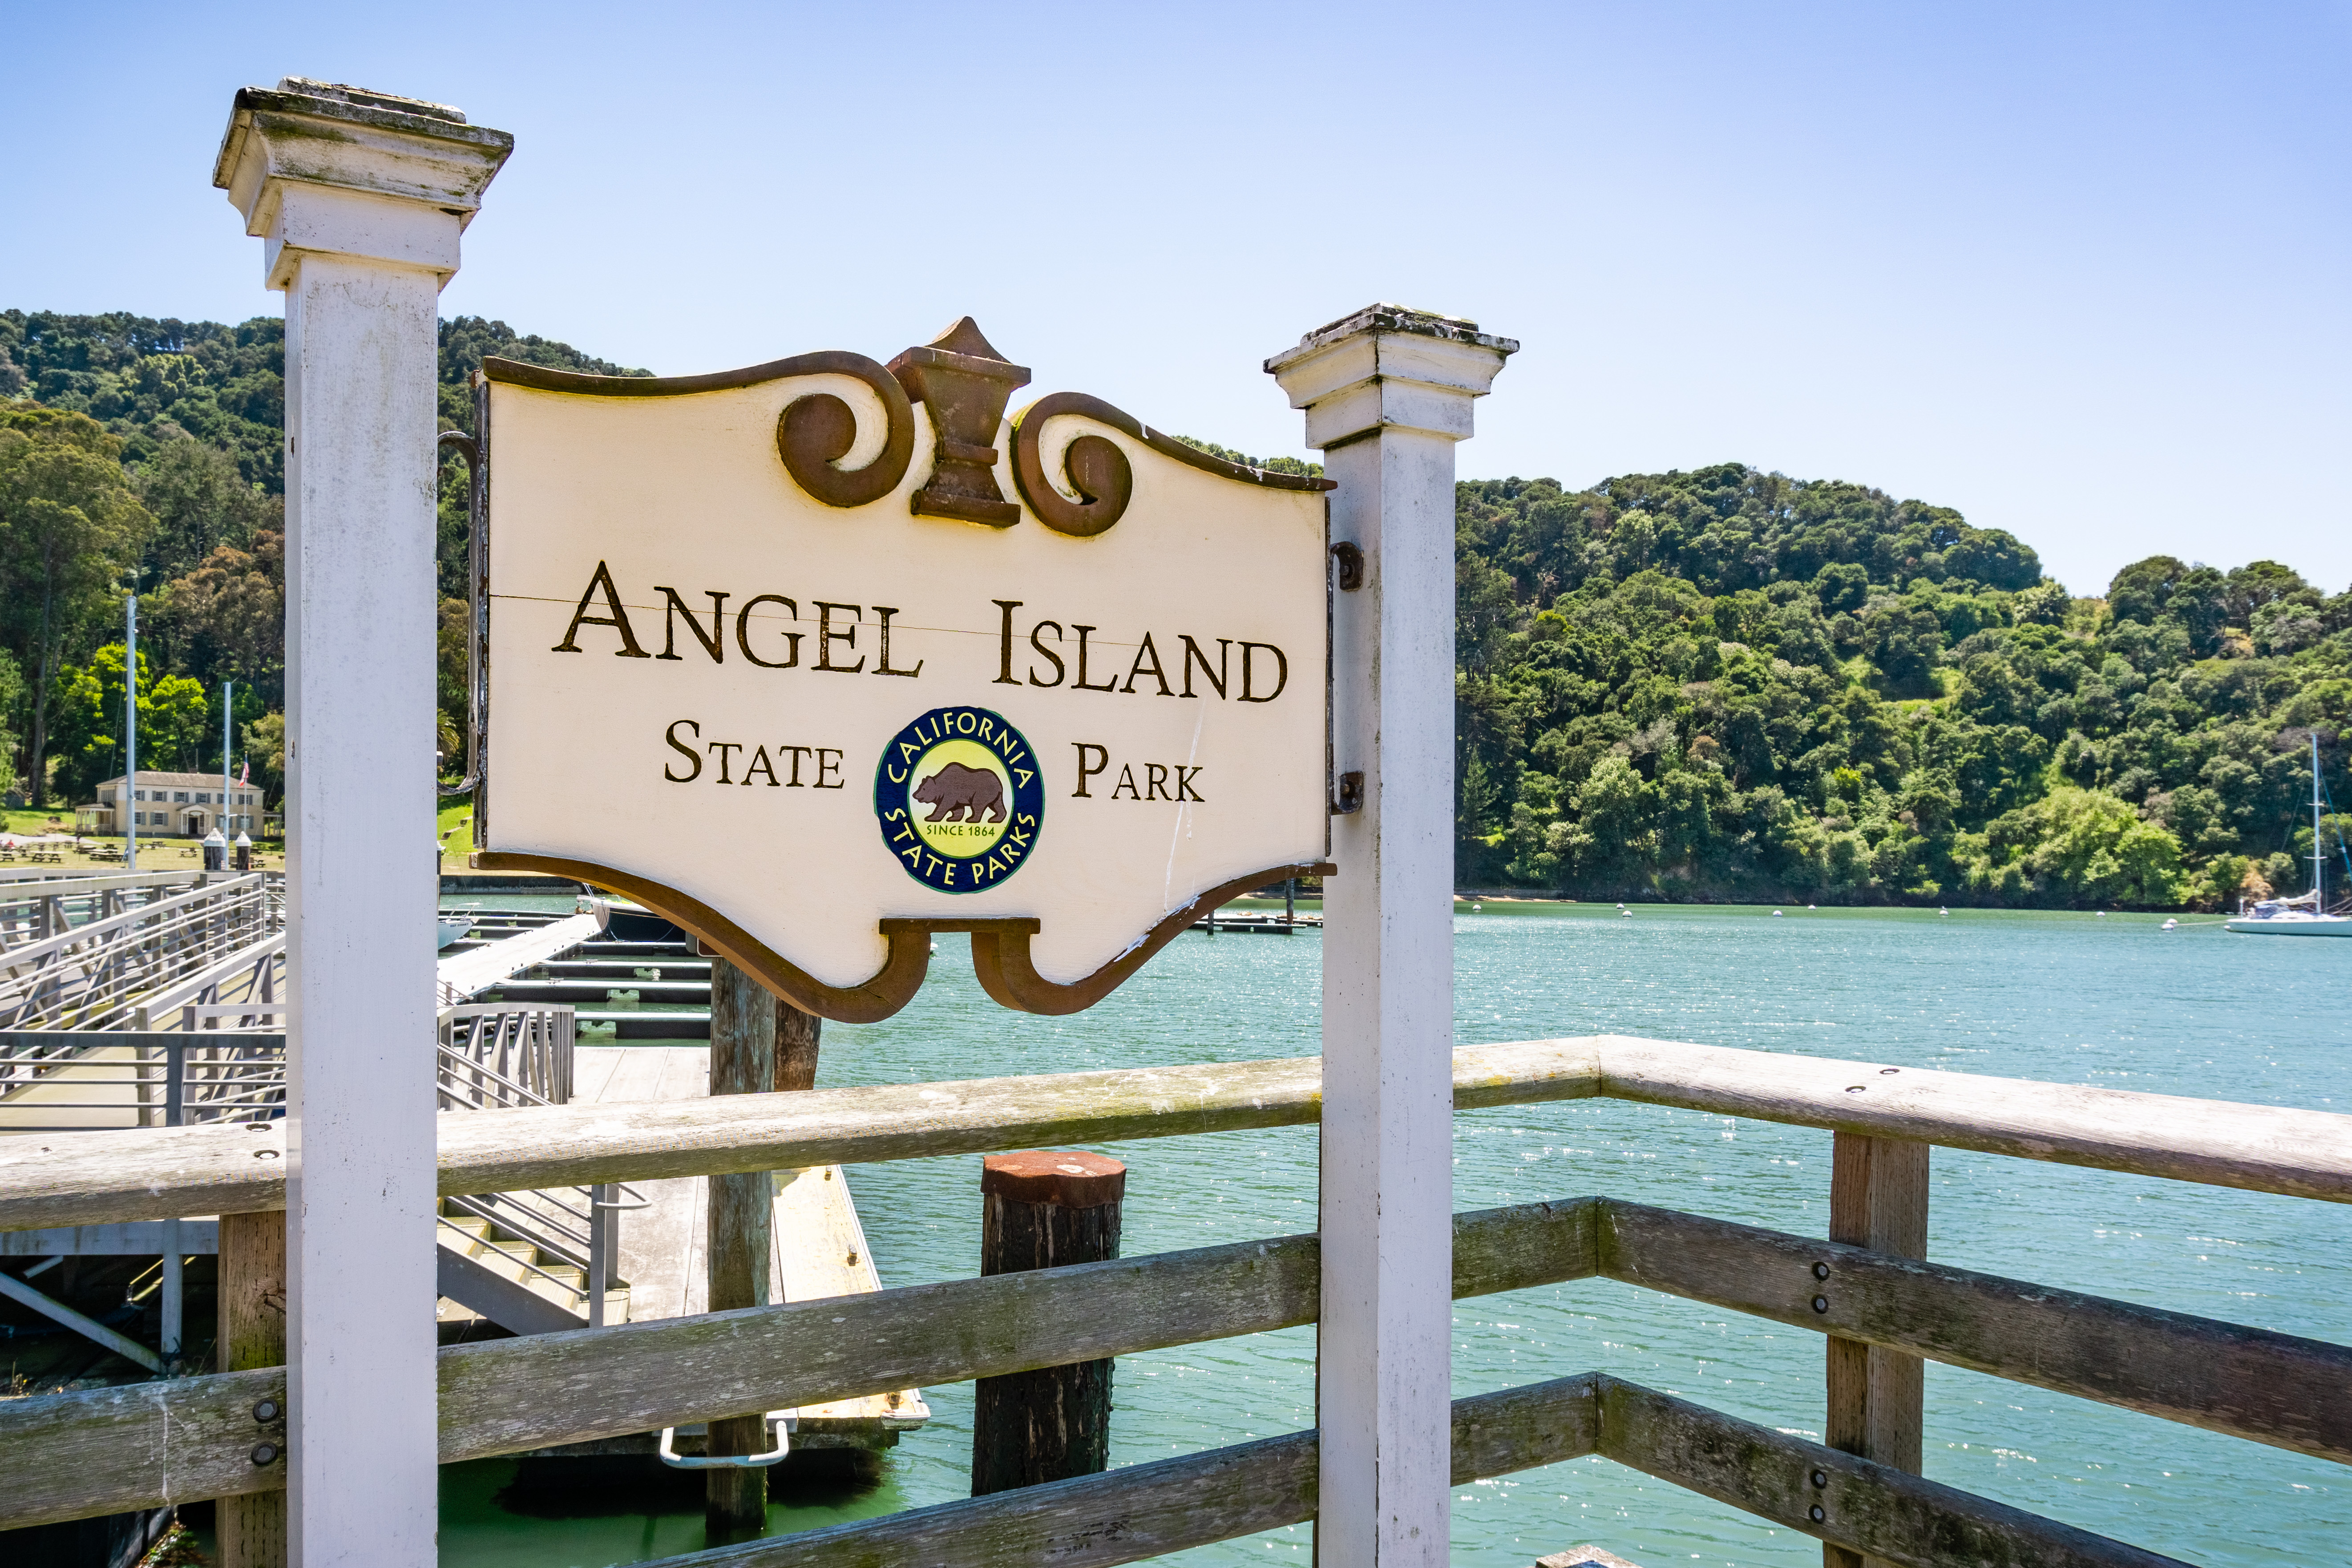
1387,365
317,167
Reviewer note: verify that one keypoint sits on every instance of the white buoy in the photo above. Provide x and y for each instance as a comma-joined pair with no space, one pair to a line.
1812,906
1477,909
2171,925
1776,914
1945,913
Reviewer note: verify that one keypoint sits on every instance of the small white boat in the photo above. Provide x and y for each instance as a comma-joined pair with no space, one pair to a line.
2305,915
454,928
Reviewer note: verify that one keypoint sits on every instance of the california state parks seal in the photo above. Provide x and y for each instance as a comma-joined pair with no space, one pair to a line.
959,799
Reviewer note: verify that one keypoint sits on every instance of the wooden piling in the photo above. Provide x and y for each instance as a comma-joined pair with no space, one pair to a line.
252,1333
744,1060
796,1046
1878,1199
1040,1210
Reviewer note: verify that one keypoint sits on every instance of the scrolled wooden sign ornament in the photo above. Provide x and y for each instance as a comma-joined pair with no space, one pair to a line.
773,656
816,431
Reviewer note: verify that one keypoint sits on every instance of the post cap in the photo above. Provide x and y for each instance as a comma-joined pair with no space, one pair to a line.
376,174
1051,1176
1385,318
1389,366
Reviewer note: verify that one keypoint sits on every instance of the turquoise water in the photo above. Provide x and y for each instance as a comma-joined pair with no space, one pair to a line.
2069,998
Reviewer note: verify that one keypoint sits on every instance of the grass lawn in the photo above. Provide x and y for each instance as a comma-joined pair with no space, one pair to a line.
453,824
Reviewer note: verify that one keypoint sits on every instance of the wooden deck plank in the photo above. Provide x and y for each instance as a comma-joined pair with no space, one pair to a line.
633,1077
820,1251
591,1071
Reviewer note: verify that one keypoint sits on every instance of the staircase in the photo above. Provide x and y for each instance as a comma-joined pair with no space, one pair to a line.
497,1259
532,1262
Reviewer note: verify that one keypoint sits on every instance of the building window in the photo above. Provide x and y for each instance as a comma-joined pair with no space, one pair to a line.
182,796
203,798
139,795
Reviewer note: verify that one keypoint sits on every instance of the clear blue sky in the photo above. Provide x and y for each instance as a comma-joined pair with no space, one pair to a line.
2080,271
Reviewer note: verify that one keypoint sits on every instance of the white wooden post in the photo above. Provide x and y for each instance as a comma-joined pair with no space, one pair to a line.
1387,394
359,198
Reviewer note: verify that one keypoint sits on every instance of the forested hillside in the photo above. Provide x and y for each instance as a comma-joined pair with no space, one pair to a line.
1719,684
128,446
1727,684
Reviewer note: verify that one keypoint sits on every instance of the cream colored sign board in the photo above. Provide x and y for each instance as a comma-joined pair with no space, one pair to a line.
786,722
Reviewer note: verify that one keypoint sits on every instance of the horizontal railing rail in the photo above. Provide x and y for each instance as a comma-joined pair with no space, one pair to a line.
182,1441
106,1177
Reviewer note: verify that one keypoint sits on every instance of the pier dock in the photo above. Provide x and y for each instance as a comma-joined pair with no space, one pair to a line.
816,1250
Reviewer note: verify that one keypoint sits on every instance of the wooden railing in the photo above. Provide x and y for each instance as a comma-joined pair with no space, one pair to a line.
104,1450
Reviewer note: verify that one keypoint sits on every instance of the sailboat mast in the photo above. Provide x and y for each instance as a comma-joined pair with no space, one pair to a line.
2318,860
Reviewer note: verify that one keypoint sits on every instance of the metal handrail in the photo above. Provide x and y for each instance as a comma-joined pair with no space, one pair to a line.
484,1056
175,1080
93,975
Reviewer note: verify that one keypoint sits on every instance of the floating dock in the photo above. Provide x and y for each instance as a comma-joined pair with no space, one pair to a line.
816,1249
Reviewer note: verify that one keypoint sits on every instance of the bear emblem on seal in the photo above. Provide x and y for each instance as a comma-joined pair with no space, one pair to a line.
959,793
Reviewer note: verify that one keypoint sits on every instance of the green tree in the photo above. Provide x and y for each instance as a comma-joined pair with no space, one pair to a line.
226,620
2141,591
175,722
2081,847
175,727
265,748
69,527
12,701
1614,836
201,502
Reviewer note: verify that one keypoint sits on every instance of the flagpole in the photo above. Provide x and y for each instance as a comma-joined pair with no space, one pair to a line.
131,725
228,707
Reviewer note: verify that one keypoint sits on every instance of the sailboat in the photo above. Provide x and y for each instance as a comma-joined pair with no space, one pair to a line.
2305,915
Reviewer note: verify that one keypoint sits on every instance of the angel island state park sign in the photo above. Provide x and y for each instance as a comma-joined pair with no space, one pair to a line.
817,678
